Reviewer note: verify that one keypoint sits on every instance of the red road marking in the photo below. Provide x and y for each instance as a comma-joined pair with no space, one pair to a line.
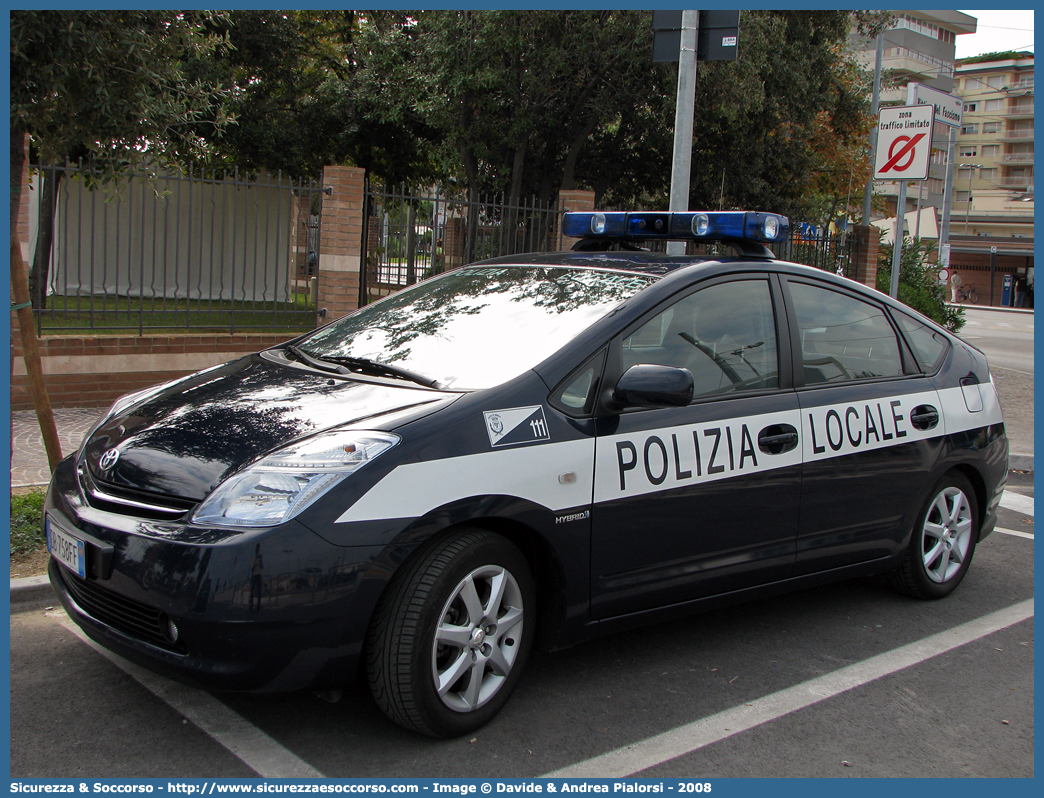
908,147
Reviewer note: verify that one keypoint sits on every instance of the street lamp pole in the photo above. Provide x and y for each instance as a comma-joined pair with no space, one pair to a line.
967,210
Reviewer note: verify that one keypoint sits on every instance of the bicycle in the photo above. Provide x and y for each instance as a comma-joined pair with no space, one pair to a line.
967,294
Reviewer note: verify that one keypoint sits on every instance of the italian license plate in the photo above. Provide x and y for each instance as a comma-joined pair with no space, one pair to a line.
65,548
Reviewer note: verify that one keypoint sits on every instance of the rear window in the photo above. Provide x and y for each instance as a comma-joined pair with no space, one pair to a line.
477,327
929,346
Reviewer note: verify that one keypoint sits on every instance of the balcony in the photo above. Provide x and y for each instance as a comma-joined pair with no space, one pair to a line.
1022,85
1017,157
1019,183
1016,135
911,62
1020,111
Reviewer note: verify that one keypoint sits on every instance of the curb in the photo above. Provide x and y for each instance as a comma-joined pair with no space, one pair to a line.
995,308
31,591
1020,462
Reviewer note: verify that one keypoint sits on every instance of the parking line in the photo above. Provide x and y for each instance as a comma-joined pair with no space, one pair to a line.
691,737
1017,502
1027,535
256,749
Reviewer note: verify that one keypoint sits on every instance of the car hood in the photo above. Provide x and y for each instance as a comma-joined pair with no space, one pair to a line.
184,441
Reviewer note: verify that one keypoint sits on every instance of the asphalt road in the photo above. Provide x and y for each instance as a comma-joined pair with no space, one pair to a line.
964,711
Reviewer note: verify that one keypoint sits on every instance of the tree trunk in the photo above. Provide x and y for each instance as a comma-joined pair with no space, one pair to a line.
39,273
471,169
21,301
576,146
510,230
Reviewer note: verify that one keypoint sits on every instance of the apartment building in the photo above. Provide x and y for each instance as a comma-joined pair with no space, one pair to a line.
991,225
993,184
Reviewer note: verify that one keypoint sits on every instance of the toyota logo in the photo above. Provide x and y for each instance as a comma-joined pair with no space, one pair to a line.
108,460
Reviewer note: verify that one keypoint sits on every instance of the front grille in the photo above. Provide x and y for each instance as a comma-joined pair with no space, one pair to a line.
125,501
123,614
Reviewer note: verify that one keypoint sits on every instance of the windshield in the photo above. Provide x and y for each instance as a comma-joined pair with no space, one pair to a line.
477,327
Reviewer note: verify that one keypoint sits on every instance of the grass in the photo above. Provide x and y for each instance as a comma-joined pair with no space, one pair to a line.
27,535
67,315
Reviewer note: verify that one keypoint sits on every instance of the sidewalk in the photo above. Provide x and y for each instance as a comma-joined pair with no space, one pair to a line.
28,458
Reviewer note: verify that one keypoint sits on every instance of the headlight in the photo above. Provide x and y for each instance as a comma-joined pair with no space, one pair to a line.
283,484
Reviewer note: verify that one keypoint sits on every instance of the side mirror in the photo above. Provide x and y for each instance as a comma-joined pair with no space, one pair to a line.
650,385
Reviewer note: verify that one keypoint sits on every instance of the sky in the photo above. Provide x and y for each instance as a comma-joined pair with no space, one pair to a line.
997,31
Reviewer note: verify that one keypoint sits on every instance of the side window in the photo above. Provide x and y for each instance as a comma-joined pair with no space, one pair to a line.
928,345
724,334
843,338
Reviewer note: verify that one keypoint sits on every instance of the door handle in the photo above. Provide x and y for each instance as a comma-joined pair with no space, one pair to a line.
924,417
777,439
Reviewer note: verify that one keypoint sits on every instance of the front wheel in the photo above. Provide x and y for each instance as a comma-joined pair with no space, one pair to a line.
451,635
943,541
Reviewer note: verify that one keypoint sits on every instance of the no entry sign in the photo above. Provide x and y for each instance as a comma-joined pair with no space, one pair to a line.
904,143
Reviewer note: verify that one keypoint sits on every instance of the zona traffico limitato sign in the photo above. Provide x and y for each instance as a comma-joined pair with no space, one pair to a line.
904,142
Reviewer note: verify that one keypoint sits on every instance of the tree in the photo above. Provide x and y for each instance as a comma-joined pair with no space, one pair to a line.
112,85
515,95
533,102
300,92
762,119
918,282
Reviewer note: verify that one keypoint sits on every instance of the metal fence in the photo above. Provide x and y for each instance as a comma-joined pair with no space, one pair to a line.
411,235
830,252
205,251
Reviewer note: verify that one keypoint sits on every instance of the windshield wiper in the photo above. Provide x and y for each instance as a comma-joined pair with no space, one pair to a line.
342,364
383,369
315,362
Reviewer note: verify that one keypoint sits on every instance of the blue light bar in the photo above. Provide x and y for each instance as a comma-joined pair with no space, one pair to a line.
607,225
750,226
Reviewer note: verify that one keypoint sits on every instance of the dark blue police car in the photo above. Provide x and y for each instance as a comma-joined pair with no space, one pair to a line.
528,449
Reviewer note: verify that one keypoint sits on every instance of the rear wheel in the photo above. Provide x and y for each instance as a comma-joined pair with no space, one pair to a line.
943,541
451,635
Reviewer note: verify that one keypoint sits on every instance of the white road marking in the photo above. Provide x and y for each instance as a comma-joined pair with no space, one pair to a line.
1027,535
1017,502
251,745
685,739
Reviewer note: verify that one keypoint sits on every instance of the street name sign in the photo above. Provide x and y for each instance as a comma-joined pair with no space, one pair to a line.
948,108
904,142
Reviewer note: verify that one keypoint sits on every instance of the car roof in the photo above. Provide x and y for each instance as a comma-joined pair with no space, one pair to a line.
642,262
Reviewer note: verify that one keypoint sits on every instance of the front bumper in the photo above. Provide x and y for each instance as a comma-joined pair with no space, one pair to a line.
265,610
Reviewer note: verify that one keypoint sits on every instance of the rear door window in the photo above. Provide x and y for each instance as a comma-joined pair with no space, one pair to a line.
843,338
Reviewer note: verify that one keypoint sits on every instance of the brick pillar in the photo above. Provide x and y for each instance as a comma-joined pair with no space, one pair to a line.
571,201
866,243
340,241
454,238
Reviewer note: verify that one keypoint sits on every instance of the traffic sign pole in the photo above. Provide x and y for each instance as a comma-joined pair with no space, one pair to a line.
897,244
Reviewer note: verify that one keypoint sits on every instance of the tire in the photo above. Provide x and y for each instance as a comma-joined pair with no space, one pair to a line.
973,297
943,541
451,634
